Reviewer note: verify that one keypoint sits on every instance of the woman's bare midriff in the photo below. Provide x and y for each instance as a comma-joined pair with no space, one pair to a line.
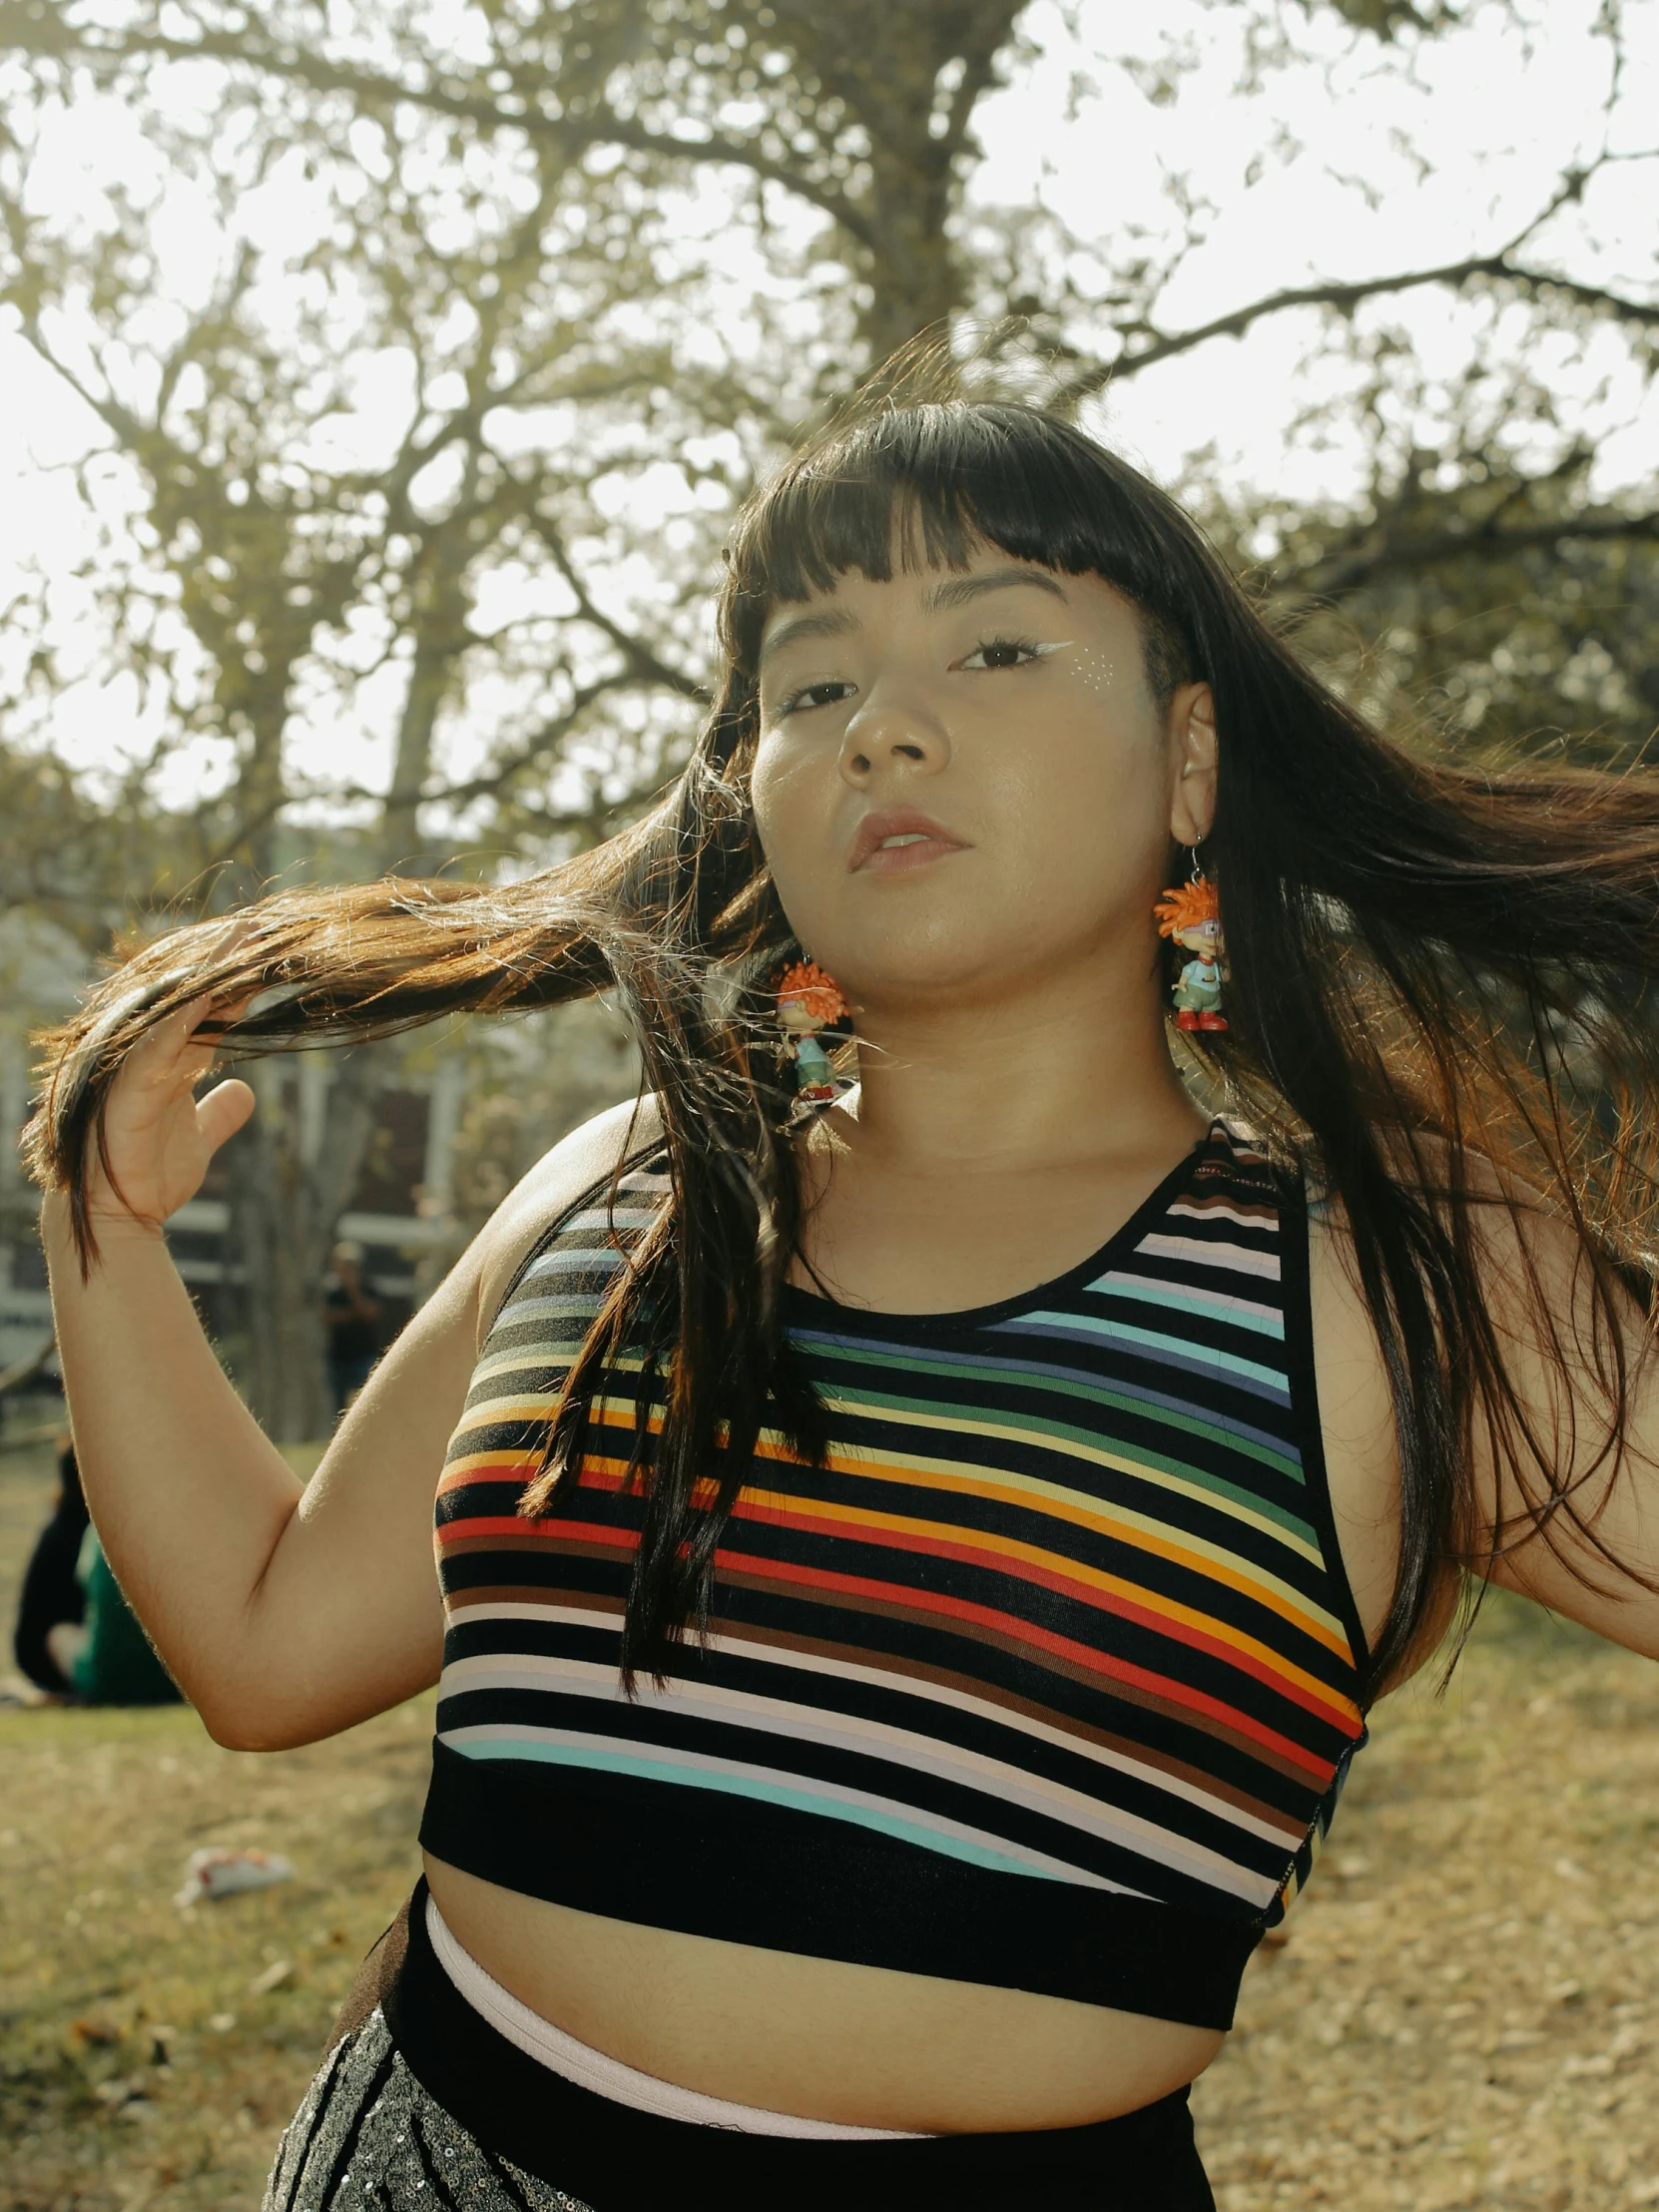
818,2038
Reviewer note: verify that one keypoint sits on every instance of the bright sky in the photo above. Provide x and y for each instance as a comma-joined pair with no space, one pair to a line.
1353,162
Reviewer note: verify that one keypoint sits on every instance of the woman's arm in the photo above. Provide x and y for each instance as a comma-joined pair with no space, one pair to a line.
1536,1285
283,1611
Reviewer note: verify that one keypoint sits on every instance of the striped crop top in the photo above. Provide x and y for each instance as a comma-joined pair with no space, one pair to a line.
1049,1679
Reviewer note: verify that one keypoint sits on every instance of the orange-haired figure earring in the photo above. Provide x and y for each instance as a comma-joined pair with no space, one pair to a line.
808,1001
1191,914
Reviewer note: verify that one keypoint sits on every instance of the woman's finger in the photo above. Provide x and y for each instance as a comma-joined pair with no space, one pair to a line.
176,1042
234,934
225,1012
191,1015
223,1112
152,1061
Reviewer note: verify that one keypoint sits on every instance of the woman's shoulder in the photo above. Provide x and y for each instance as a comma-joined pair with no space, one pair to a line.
584,1160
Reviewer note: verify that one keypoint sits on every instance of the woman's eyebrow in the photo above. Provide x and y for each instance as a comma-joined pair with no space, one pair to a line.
957,589
831,623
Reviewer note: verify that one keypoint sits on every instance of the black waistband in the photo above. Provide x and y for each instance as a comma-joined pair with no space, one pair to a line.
618,2159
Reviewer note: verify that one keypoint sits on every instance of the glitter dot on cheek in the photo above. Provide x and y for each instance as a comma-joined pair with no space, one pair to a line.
1094,670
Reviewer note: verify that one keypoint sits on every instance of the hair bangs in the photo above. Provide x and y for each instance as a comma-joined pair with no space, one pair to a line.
921,488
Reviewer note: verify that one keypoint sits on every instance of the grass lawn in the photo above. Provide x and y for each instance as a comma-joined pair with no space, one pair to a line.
1465,2013
148,2055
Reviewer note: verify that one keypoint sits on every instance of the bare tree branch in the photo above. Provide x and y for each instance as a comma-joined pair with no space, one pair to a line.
1155,346
643,660
534,749
1344,297
1426,549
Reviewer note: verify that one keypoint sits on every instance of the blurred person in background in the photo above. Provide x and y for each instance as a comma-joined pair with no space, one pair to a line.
76,1638
52,1597
914,1559
353,1319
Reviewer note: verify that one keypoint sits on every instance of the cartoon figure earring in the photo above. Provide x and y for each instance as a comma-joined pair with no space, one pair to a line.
810,1001
1191,914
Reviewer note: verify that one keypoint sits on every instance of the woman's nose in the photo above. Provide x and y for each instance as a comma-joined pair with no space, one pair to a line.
886,735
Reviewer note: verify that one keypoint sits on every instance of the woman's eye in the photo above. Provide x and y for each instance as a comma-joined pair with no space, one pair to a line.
997,653
813,695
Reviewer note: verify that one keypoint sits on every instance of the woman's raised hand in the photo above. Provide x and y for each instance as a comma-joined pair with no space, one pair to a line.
158,1136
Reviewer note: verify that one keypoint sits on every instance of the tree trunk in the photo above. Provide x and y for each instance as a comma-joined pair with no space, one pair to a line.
914,278
289,1185
440,639
912,77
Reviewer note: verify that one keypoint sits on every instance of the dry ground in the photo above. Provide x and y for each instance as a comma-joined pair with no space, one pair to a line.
1466,2013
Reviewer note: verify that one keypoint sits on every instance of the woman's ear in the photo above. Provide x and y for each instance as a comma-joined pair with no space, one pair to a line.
1192,757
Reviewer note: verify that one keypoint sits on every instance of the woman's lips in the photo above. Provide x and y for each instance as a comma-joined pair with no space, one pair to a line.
893,840
905,859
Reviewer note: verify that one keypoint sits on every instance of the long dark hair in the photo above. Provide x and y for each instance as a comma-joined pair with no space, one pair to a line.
1436,1003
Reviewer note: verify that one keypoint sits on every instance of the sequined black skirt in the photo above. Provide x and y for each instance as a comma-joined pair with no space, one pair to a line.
370,2138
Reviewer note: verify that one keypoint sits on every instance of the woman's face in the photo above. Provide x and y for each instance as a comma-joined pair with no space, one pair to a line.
962,780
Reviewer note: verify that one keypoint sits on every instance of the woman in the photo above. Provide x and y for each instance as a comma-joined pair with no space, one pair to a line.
915,1562
52,1598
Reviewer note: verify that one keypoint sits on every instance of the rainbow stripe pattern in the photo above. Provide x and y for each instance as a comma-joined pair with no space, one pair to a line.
1049,1677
